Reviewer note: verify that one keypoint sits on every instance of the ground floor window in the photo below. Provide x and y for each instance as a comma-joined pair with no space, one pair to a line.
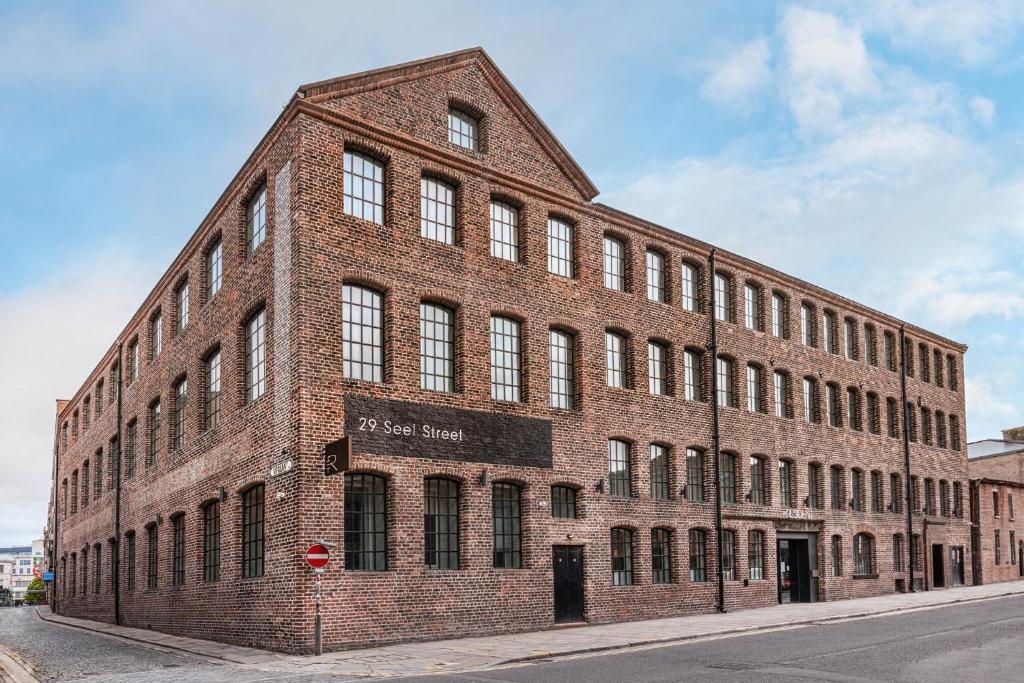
508,526
755,555
863,554
729,554
661,555
365,522
837,556
622,557
698,555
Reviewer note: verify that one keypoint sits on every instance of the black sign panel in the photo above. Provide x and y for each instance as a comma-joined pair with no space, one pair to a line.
336,455
415,430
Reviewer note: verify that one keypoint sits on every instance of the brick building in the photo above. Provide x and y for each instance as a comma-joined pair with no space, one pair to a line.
996,469
411,259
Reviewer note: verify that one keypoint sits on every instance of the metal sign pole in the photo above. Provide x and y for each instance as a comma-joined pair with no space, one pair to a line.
318,647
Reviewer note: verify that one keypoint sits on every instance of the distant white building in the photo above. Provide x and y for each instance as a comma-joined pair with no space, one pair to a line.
20,562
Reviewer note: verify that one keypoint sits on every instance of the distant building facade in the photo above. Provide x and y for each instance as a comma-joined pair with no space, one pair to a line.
996,470
22,561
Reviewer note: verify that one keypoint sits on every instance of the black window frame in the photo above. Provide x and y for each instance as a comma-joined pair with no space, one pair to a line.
366,522
253,531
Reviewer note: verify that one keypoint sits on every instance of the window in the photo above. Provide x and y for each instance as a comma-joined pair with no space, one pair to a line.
723,305
752,307
1011,546
857,486
807,325
506,361
754,389
898,564
828,331
252,531
437,348
154,433
99,399
661,556
698,555
622,557
890,351
214,269
870,351
504,231
655,277
958,500
755,555
133,361
926,426
915,495
940,429
728,555
891,418
363,192
256,216
853,409
615,355
757,487
86,412
728,478
849,340
810,400
362,316
995,503
780,387
1009,505
437,210
366,538
178,414
97,551
181,300
508,534
85,571
689,287
814,486
463,130
929,497
832,405
563,502
691,376
256,357
659,471
877,492
874,425
657,368
130,451
211,541
561,254
779,316
211,390
836,483
951,376
695,475
64,438
619,475
440,523
86,483
837,556
724,373
863,554
156,335
954,432
614,264
562,348
178,554
937,363
129,560
999,550
944,500
74,572
97,483
908,357
74,492
922,359
152,556
786,488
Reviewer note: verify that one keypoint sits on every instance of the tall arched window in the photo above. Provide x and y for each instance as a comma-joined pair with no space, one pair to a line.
365,522
507,511
622,557
362,317
863,554
441,523
253,539
698,555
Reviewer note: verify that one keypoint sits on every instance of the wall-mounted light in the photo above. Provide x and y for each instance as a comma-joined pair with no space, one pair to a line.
222,493
482,479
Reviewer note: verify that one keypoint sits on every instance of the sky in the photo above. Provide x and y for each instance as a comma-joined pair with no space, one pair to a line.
869,147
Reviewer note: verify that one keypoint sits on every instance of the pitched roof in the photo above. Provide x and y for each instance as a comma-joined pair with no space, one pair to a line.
399,73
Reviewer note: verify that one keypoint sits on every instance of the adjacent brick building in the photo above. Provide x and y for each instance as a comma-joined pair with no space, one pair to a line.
411,259
996,468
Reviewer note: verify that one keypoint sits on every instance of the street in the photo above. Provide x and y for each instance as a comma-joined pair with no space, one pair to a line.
975,641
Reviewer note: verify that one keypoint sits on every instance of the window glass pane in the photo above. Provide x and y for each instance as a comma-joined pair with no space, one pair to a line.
722,303
561,349
506,513
256,220
365,522
698,556
505,359
256,357
211,542
754,389
252,532
560,248
694,475
615,347
724,371
362,334
661,556
437,348
441,523
691,376
655,276
659,471
619,476
622,557
755,555
657,369
751,307
462,129
211,402
689,287
504,231
563,502
213,270
363,193
614,264
757,492
437,210
778,316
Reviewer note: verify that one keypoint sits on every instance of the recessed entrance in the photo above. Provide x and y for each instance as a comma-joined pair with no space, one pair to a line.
567,561
794,570
938,566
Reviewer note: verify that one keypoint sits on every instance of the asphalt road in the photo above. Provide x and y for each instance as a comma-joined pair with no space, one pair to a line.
978,641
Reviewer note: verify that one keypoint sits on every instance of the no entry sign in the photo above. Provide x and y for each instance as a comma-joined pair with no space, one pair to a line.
317,556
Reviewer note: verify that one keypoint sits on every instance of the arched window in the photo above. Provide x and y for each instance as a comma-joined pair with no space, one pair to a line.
787,497
690,293
622,557
178,550
898,555
365,522
362,316
614,263
723,297
695,475
619,469
659,471
863,554
661,556
563,502
729,554
755,555
757,481
253,531
727,473
698,555
441,523
506,502
363,187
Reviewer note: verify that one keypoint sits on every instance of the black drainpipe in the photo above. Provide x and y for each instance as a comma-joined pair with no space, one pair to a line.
713,348
117,493
906,461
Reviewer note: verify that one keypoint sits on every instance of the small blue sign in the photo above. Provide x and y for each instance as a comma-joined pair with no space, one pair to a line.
47,576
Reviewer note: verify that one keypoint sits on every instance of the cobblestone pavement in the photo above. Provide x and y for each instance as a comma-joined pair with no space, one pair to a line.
59,653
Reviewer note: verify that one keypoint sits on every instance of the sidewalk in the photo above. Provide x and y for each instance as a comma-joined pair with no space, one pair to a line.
475,653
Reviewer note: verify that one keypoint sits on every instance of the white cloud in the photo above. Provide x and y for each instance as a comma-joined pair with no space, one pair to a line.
743,74
54,334
982,109
983,399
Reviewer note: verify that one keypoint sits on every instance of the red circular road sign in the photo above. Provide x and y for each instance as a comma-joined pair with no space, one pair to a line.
317,556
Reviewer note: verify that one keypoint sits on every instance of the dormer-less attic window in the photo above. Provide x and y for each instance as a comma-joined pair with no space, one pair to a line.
463,129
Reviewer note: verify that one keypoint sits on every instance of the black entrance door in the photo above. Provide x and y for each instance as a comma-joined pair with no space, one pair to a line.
1020,557
794,571
938,566
568,569
956,566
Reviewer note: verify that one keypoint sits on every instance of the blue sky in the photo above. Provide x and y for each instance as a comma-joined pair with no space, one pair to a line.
870,147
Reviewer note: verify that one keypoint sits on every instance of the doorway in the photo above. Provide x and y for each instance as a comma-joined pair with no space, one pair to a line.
1020,557
938,566
567,561
956,566
794,570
